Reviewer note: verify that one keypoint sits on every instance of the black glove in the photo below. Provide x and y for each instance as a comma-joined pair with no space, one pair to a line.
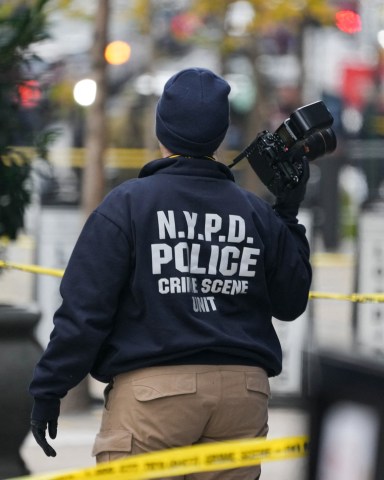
38,429
45,414
294,196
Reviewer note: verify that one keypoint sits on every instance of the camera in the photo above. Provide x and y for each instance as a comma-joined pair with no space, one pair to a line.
277,158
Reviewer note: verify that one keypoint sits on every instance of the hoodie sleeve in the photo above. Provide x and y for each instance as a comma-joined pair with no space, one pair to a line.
289,274
90,289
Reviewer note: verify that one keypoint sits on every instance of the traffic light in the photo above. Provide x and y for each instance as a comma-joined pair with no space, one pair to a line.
29,94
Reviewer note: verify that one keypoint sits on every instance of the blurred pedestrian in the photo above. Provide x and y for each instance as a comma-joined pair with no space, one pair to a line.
170,291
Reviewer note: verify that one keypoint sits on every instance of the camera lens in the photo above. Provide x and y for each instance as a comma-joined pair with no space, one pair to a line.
320,143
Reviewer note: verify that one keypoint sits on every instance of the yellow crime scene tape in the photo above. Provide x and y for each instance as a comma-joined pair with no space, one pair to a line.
192,459
177,461
32,269
352,297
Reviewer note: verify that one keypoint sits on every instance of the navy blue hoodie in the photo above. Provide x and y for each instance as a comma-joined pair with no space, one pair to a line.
179,266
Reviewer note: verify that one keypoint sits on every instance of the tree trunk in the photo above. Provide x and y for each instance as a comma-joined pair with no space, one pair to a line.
93,185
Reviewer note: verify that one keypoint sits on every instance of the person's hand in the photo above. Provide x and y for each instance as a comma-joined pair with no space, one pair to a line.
39,428
294,196
288,200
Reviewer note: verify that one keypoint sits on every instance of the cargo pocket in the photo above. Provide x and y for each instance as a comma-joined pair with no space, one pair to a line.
107,391
160,386
111,445
257,383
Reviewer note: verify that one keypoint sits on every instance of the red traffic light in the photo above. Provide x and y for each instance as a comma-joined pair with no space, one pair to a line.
348,21
29,94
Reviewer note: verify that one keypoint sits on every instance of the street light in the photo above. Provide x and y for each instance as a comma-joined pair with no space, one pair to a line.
117,52
84,92
380,38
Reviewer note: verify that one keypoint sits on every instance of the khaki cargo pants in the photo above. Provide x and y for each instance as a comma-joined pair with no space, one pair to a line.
164,407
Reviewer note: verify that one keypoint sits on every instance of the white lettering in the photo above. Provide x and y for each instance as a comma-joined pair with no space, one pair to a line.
166,224
212,225
236,232
177,285
227,254
191,219
247,261
195,253
213,260
229,260
211,301
182,257
238,286
203,304
161,255
227,287
163,286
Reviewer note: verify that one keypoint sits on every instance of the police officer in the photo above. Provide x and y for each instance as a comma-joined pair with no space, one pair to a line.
169,294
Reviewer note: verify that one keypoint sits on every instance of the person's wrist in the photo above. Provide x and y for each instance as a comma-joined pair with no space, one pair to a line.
286,209
45,409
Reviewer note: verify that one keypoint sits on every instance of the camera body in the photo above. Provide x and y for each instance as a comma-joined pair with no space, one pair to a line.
277,158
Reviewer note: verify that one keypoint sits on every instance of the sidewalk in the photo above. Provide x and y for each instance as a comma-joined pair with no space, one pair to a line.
77,431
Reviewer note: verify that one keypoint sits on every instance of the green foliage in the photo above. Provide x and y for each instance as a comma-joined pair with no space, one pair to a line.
20,28
15,194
